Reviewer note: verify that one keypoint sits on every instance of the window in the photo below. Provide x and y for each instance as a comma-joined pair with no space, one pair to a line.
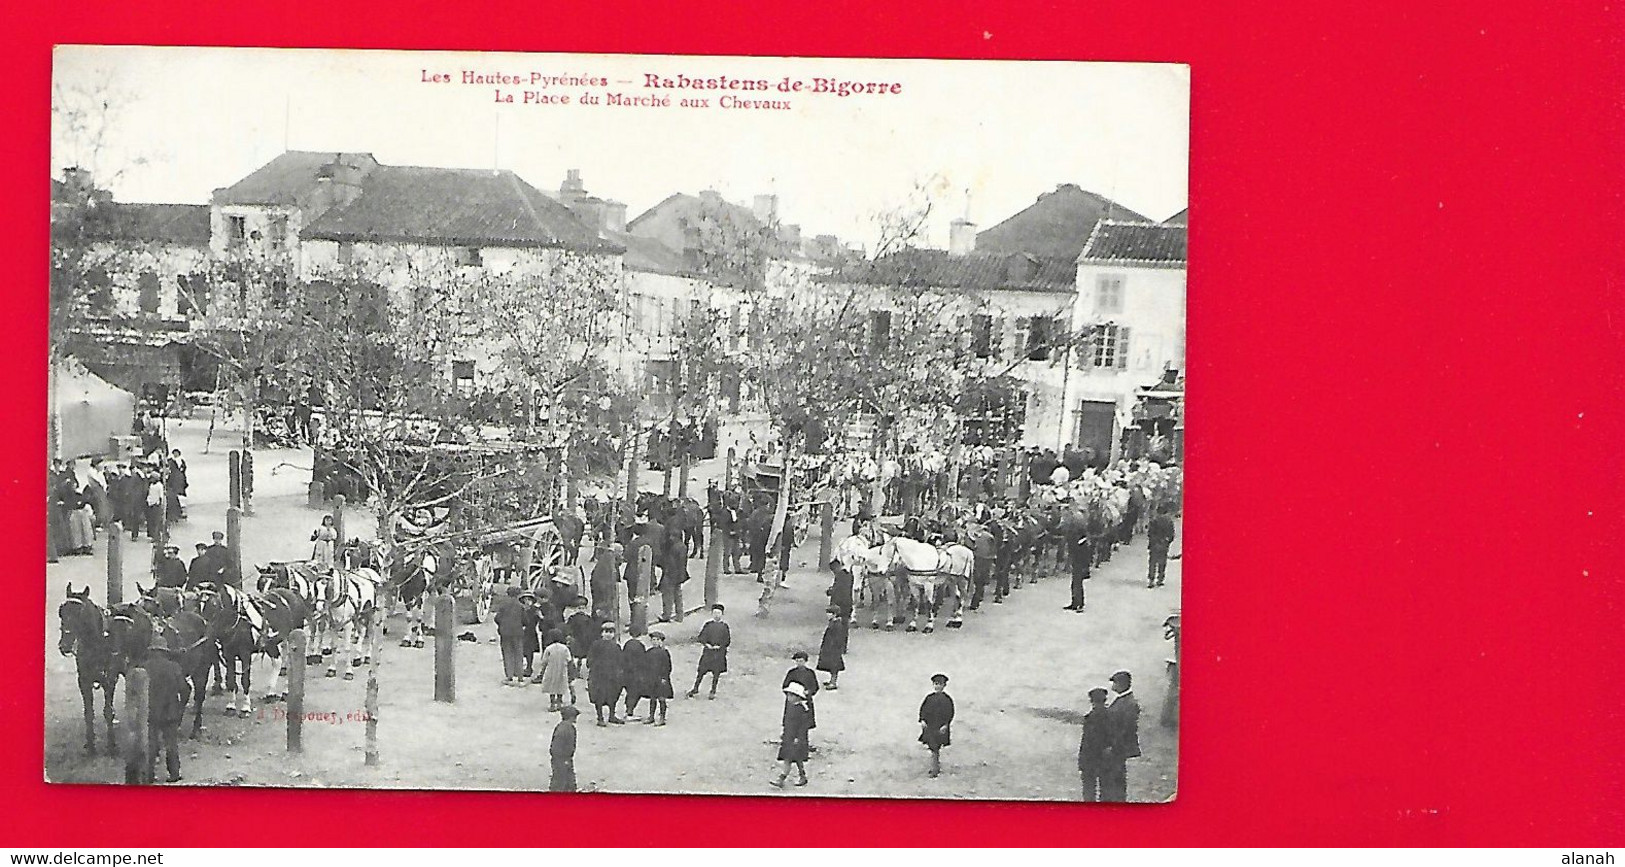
879,330
661,377
1040,333
277,234
462,375
981,335
1108,347
346,254
147,297
1109,293
100,294
236,231
469,257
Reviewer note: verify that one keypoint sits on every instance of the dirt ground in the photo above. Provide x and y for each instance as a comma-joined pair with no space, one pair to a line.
1019,673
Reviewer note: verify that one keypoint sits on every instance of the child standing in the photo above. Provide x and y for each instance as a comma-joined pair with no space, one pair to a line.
832,652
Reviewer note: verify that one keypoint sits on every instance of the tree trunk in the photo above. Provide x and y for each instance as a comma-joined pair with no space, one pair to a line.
780,513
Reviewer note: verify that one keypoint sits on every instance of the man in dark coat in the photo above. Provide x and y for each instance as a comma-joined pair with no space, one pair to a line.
1080,556
800,673
1159,536
984,546
221,563
606,566
562,751
758,526
634,673
530,632
1094,748
840,589
605,676
724,527
169,571
167,694
657,677
714,638
936,720
201,570
673,572
1123,717
175,486
509,616
580,630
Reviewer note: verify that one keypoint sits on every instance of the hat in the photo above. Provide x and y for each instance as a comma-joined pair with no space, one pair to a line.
832,610
796,690
1097,692
799,654
606,625
201,545
172,549
569,712
218,535
939,678
158,644
1123,676
514,592
657,634
718,607
527,594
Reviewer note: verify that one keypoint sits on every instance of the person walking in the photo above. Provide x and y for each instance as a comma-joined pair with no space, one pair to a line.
936,721
1123,717
634,673
322,540
715,636
175,485
832,650
1159,536
604,675
1094,747
657,670
562,751
555,674
793,747
509,616
800,673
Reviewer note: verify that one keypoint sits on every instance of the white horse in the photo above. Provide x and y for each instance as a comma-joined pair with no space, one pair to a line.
345,606
930,569
874,585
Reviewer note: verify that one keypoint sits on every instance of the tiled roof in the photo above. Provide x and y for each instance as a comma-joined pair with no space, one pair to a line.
472,207
1179,219
1018,271
1056,224
649,254
1142,243
142,223
286,179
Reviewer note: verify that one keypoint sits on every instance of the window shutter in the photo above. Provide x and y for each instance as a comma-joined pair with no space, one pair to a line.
996,338
1122,347
1023,331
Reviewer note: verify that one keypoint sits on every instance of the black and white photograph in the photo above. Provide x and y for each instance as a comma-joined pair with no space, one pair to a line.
770,426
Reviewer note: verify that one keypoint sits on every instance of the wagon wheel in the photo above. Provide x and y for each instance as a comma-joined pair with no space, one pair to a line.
547,557
483,590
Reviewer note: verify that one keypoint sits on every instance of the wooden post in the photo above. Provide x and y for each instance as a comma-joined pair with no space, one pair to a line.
234,537
728,470
234,478
682,474
826,539
445,662
631,501
372,689
246,483
640,592
338,525
295,658
137,750
713,570
160,536
115,564
317,495
615,606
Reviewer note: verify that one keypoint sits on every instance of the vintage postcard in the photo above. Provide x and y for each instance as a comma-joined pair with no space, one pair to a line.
613,423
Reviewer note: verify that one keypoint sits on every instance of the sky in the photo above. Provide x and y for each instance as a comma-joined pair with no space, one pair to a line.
979,139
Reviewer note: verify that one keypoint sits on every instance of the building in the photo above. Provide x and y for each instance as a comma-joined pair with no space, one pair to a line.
1131,295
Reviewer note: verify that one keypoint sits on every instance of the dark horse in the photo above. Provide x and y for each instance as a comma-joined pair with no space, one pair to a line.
184,631
84,636
242,626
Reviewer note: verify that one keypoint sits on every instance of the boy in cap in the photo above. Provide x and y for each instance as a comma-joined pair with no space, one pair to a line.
1094,747
530,626
634,674
657,671
562,751
715,636
936,719
604,674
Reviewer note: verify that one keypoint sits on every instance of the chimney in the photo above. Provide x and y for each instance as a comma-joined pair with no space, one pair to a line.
766,208
614,216
961,237
572,189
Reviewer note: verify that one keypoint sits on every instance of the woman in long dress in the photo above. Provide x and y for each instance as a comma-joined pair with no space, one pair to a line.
322,542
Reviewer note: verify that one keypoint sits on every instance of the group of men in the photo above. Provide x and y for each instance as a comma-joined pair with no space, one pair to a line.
212,564
1111,736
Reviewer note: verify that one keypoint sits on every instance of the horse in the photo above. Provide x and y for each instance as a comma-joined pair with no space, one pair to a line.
873,584
185,632
344,609
929,570
243,625
84,637
410,576
571,528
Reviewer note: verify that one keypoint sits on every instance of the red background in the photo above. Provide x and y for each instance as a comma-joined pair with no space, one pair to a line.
1403,535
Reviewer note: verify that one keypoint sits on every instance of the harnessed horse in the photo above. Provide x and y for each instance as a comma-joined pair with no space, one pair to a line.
344,610
84,637
183,630
242,625
930,569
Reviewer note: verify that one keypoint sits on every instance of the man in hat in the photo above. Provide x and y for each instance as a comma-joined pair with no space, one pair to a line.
222,566
167,694
169,571
562,751
199,572
530,632
657,673
936,720
1094,748
1123,724
1159,536
634,673
605,675
509,615
1080,558
715,638
800,673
